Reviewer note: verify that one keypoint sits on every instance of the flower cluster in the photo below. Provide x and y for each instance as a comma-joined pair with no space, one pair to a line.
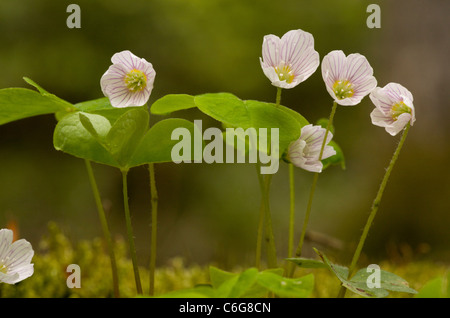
348,79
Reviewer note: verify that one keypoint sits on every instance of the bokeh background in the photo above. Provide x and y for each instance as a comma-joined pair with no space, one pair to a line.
209,213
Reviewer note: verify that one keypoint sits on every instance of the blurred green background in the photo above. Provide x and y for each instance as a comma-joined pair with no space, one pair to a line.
209,213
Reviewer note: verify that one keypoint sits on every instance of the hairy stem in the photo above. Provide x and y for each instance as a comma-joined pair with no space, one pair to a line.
374,209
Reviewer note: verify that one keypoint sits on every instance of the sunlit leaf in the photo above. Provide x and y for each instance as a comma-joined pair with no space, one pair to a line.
19,103
157,144
71,136
171,103
126,134
234,112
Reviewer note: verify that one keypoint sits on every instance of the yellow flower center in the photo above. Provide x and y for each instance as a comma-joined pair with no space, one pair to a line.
399,109
343,89
136,80
285,73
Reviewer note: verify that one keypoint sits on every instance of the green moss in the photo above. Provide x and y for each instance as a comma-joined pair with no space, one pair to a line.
55,252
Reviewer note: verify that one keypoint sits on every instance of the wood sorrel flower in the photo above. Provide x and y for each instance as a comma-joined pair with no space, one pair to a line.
393,108
15,258
290,60
305,151
347,79
129,81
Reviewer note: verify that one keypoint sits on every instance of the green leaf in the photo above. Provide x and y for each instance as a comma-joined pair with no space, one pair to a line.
438,287
232,285
218,276
361,289
298,117
95,105
157,144
171,103
126,134
244,282
234,112
19,103
287,287
72,137
388,281
341,272
358,283
67,106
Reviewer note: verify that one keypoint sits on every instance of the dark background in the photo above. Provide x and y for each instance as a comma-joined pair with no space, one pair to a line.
209,213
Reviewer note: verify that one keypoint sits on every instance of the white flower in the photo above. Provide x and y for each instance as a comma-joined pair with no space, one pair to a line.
347,79
304,152
129,81
15,258
393,108
290,60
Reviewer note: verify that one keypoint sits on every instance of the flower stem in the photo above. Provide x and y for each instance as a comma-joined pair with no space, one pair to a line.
269,237
278,98
265,212
104,223
259,235
154,202
130,232
298,252
291,216
374,209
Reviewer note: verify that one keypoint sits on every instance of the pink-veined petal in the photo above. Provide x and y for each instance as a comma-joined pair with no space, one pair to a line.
294,44
398,124
271,50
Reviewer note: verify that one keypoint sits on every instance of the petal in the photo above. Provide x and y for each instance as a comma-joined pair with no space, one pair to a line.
380,119
126,58
271,50
294,44
120,98
307,65
23,273
381,100
328,152
398,93
6,237
313,167
364,88
399,124
358,69
270,73
295,152
20,254
113,79
9,278
333,66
